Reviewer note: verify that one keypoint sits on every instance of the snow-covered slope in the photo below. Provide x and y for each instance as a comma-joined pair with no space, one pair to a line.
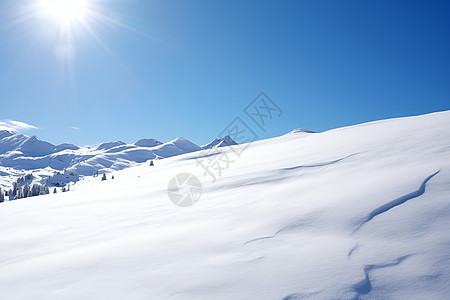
20,154
360,212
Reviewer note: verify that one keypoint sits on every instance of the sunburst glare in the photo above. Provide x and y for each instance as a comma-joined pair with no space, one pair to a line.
66,24
65,10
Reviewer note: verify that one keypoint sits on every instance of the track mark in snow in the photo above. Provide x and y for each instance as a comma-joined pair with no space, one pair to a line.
323,164
364,287
399,201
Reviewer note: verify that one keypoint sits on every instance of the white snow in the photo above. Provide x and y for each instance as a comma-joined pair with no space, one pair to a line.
20,154
361,212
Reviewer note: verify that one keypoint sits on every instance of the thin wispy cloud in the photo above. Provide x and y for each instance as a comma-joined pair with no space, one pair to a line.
74,128
15,125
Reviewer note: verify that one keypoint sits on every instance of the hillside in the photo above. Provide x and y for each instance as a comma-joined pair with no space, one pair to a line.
360,212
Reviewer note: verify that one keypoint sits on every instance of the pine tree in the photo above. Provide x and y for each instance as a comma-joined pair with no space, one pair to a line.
19,193
35,190
16,188
43,190
25,190
104,177
2,197
54,191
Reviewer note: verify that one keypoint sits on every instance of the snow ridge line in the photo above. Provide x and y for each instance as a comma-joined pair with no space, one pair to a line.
399,201
352,250
282,230
323,164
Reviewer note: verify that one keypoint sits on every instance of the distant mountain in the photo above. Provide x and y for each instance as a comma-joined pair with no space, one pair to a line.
66,147
58,165
301,130
148,143
224,142
107,146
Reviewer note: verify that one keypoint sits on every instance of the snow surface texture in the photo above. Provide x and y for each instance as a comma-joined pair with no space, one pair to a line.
361,212
20,154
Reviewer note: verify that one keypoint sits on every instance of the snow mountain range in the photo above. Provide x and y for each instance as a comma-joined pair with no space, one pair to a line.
57,165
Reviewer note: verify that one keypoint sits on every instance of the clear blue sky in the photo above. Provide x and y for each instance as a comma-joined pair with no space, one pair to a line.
163,69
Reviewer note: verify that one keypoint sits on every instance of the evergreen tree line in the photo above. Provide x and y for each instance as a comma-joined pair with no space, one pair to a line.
26,190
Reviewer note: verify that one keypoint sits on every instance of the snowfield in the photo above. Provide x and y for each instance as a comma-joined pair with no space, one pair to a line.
360,212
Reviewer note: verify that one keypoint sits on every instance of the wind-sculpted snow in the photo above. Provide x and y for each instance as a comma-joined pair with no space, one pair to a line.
364,286
396,202
322,164
359,212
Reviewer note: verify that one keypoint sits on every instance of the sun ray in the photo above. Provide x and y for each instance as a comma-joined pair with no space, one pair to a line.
65,10
66,23
108,20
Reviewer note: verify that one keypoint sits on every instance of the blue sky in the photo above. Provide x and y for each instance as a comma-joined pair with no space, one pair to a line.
163,69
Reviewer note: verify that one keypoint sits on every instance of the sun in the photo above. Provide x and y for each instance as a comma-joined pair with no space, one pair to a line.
65,10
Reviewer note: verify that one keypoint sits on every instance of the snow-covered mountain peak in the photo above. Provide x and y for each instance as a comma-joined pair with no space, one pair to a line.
223,142
184,144
301,130
180,139
109,145
34,147
148,143
66,146
227,139
6,133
